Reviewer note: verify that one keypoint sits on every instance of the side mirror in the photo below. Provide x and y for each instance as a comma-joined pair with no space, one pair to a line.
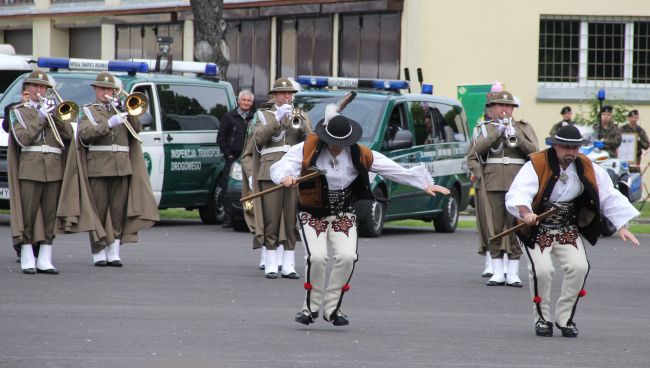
402,139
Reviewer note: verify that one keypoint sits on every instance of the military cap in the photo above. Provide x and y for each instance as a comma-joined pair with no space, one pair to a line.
633,113
607,108
565,109
283,85
104,79
38,77
502,97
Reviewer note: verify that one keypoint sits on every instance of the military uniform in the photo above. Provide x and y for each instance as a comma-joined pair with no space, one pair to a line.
111,153
502,163
271,140
36,163
611,136
642,142
559,125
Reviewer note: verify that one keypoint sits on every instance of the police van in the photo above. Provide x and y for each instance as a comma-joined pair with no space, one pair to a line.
411,129
179,127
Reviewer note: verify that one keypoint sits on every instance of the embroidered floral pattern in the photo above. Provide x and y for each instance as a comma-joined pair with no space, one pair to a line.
563,235
544,238
319,225
343,224
567,235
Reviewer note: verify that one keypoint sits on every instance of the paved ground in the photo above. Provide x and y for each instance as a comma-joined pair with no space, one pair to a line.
191,296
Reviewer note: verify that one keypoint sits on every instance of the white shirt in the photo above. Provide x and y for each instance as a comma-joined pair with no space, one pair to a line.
613,204
340,172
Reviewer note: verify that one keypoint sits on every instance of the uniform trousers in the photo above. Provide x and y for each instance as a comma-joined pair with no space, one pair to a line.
276,206
573,261
501,220
110,194
339,233
46,195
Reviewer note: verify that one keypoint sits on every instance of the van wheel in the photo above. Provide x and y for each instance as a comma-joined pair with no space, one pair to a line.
447,221
214,212
373,224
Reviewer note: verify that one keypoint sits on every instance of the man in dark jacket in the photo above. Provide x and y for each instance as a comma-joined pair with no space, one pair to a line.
232,133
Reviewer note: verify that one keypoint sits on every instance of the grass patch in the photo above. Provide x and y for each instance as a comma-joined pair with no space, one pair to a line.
646,209
179,213
462,224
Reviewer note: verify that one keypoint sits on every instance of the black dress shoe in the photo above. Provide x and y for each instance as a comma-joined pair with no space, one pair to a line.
271,275
116,263
51,271
543,328
339,319
569,331
29,271
305,317
100,263
494,283
261,267
292,275
487,274
515,284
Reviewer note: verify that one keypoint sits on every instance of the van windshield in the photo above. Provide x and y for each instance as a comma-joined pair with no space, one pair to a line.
365,111
77,90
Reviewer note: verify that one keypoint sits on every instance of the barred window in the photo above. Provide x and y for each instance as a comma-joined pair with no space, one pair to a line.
559,50
606,49
641,58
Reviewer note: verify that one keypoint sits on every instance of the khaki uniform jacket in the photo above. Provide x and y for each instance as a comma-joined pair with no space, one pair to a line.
499,177
266,132
642,142
559,125
27,129
142,209
611,136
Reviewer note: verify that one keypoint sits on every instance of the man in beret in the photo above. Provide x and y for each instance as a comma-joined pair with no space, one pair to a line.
567,115
642,142
608,132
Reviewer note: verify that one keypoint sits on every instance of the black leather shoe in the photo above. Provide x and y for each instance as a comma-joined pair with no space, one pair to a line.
292,275
487,274
569,331
494,283
262,267
543,328
339,319
100,263
51,271
515,284
29,271
116,263
305,318
271,275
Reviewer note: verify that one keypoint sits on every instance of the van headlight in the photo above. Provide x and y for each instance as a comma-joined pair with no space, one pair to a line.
236,171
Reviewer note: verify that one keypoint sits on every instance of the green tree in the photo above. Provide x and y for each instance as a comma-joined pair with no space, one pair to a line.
590,109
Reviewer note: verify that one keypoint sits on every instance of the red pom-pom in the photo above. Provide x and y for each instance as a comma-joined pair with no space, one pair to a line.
582,293
537,299
307,286
346,287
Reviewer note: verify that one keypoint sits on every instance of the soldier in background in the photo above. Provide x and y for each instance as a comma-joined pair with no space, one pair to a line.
116,172
642,142
36,162
505,143
272,134
567,115
608,132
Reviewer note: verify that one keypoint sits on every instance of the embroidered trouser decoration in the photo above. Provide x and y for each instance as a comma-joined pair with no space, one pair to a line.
339,233
567,246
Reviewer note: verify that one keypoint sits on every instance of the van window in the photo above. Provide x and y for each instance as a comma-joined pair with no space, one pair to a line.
396,122
191,107
147,120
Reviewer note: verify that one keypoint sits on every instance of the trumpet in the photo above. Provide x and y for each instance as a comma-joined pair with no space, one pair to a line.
296,119
64,111
509,133
135,104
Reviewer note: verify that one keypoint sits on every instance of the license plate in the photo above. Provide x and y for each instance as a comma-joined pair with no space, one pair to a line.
4,193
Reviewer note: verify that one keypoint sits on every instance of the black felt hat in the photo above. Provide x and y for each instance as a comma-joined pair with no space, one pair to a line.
568,135
339,131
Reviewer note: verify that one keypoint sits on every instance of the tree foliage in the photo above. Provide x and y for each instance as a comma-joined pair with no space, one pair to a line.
589,111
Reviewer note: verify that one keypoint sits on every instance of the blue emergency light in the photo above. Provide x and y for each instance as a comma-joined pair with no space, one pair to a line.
322,82
94,65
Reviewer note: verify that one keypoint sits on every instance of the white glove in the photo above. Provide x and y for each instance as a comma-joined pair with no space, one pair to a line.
116,119
118,104
250,182
283,111
44,110
501,128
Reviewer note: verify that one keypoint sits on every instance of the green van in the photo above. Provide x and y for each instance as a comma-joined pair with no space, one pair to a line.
411,129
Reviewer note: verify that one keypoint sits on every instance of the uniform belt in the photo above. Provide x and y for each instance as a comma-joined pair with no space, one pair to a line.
505,160
43,149
111,148
284,148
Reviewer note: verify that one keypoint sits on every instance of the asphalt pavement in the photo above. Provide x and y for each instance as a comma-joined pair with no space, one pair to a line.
190,295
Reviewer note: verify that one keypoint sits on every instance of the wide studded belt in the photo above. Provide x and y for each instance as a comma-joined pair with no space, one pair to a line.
566,214
340,200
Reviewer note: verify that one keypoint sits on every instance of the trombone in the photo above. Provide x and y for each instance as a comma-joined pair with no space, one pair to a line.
135,104
64,111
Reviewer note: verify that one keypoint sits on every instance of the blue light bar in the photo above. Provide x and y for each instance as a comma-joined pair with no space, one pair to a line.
90,64
182,66
322,82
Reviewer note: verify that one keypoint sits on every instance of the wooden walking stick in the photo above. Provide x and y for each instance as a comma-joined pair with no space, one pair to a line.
523,224
316,172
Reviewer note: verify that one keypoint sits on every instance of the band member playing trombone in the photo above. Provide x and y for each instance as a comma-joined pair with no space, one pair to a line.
36,162
503,145
274,131
114,165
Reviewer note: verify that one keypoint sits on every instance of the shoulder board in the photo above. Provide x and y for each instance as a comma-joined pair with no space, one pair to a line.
523,121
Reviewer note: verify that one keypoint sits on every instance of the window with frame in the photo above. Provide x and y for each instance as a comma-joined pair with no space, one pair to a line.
592,51
186,107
